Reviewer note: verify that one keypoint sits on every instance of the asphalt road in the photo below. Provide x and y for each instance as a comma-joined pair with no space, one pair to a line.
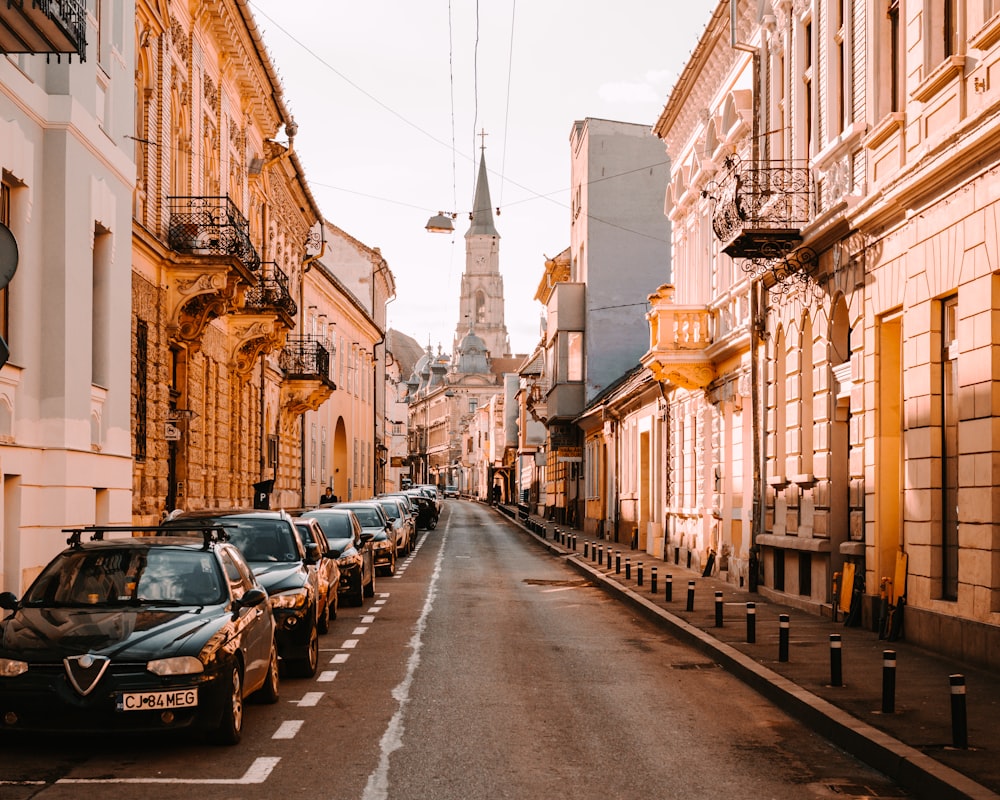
484,669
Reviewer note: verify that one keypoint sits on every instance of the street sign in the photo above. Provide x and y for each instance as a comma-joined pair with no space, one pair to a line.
171,432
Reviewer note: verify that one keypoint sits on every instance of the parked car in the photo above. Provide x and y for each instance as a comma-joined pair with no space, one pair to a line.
320,557
271,545
373,520
408,503
135,634
427,510
353,550
451,490
402,523
432,492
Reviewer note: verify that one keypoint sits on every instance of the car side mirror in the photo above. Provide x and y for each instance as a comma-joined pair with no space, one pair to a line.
312,553
334,554
367,537
8,600
251,597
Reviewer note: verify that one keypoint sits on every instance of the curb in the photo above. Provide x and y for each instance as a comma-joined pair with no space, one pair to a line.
902,763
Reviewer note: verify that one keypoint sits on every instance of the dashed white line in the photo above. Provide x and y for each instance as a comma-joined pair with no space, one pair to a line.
359,631
349,644
288,729
257,773
309,699
368,620
340,658
326,676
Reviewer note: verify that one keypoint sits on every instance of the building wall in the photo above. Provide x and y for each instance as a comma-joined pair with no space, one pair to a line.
64,392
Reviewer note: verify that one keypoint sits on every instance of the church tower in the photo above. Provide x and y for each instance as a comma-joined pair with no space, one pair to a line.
480,306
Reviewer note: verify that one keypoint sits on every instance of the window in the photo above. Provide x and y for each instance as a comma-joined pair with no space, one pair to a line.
574,356
5,292
473,404
895,58
480,307
949,449
100,306
272,454
942,36
141,388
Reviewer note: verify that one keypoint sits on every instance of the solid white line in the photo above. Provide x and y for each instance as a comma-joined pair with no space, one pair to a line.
326,676
340,658
378,782
288,729
309,699
258,773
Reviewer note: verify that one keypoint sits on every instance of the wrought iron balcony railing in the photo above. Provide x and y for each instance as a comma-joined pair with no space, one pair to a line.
760,210
43,26
210,226
271,292
305,356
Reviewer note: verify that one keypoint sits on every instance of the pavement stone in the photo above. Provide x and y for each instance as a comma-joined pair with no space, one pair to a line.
907,733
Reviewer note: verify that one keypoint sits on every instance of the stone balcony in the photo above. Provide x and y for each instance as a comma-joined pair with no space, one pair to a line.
679,338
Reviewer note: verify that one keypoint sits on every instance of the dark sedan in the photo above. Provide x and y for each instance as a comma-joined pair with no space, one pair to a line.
355,556
270,544
137,634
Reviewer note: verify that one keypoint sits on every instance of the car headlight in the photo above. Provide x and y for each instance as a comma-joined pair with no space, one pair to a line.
178,665
10,668
296,599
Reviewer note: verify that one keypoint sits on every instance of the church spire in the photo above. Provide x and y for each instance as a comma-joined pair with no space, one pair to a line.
482,208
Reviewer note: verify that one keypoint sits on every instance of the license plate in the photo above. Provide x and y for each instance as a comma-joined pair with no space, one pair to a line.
156,701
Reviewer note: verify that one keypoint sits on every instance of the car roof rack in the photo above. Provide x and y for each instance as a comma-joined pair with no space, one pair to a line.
211,532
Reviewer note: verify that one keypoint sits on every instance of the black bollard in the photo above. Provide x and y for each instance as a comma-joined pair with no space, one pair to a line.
669,591
690,605
959,724
600,554
888,681
609,557
638,571
783,625
573,541
751,623
586,549
836,660
652,580
618,562
718,609
628,568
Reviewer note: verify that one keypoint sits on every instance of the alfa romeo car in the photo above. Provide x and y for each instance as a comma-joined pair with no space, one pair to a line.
125,631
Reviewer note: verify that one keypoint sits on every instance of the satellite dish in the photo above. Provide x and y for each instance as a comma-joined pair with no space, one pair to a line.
8,255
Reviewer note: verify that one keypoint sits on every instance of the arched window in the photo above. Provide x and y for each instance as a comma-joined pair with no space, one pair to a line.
480,307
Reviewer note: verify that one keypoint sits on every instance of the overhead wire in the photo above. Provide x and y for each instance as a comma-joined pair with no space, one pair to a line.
506,118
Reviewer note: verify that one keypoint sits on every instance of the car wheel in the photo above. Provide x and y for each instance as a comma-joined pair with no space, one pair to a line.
358,591
323,623
432,524
268,693
306,667
230,726
369,590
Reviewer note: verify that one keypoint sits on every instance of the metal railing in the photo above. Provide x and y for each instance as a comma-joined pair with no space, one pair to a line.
211,226
305,356
271,292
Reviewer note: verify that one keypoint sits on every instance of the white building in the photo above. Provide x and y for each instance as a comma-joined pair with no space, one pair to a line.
68,171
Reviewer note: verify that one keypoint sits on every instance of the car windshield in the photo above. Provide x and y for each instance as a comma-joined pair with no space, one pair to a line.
337,527
391,510
368,516
169,576
270,540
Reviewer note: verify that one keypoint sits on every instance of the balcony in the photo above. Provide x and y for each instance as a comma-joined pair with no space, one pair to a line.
211,226
213,258
269,293
679,338
760,210
43,26
307,383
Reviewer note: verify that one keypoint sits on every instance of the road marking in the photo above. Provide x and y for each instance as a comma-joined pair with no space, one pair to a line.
309,699
340,658
368,620
374,609
349,644
288,729
258,772
327,675
359,631
378,782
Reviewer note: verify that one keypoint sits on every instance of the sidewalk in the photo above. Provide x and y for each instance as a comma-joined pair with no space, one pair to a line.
906,733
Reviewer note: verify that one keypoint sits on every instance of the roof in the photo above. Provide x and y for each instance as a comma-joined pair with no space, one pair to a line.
482,207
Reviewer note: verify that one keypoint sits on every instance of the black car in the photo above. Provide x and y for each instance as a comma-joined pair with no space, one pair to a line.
137,633
374,520
322,562
271,546
427,509
355,556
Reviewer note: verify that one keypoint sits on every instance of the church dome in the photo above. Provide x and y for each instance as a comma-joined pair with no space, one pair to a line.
473,357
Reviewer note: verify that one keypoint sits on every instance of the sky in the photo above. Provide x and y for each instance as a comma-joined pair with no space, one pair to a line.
390,95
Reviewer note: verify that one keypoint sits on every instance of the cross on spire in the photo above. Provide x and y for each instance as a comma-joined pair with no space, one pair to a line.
482,138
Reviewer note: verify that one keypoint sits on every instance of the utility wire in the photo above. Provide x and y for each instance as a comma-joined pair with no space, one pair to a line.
506,118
